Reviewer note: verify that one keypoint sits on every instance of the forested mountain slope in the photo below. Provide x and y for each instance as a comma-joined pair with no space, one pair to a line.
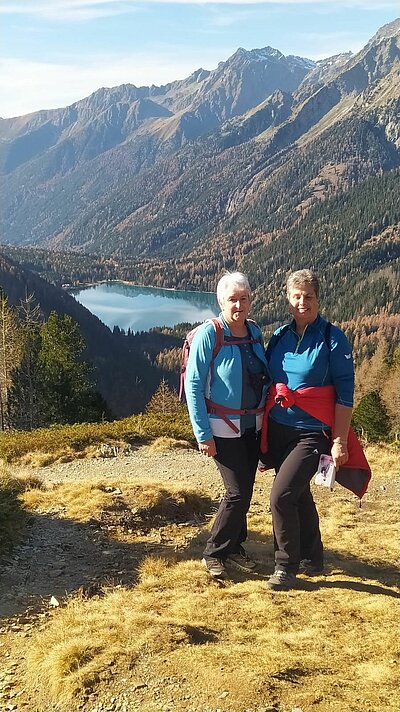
352,238
268,163
115,172
123,375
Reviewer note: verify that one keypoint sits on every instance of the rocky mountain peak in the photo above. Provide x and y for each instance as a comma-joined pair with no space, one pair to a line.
245,80
308,64
199,75
263,54
334,61
376,59
259,99
322,72
392,29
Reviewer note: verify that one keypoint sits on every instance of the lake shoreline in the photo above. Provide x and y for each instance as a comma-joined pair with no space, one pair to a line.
135,308
88,285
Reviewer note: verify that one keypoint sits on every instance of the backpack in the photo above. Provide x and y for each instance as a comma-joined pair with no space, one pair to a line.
219,342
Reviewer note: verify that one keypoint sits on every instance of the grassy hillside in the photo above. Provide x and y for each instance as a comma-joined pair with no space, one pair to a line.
68,442
171,639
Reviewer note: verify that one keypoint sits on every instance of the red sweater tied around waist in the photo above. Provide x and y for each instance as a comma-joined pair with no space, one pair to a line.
319,402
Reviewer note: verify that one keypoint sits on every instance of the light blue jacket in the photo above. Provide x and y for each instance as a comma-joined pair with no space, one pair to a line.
225,386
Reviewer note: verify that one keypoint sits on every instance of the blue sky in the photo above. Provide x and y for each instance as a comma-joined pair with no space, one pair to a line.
54,52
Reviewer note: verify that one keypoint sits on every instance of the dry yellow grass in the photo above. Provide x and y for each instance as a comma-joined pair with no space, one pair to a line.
332,648
12,511
64,453
47,445
180,641
42,459
164,444
122,501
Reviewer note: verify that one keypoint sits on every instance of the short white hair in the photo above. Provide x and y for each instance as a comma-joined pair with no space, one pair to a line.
232,279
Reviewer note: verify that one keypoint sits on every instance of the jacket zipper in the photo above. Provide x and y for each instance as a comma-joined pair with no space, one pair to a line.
300,340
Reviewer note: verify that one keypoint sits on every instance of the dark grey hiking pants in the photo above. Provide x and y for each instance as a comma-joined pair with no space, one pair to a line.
295,454
237,460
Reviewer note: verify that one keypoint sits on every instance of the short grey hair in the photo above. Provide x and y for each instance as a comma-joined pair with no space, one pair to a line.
303,276
232,279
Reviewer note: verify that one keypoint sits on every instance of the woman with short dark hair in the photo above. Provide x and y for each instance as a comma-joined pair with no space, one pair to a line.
309,412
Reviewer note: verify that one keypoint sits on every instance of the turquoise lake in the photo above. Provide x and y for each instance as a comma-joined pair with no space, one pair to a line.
142,308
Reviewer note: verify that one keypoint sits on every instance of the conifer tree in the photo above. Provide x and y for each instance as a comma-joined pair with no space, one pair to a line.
164,400
68,394
370,418
373,372
26,397
391,394
10,354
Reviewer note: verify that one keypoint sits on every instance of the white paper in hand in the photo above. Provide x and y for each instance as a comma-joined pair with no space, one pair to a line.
326,473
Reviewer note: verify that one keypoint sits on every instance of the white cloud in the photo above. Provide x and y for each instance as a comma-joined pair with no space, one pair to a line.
75,10
89,9
228,16
326,44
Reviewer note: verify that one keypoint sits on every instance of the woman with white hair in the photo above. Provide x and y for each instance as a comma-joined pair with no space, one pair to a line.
225,393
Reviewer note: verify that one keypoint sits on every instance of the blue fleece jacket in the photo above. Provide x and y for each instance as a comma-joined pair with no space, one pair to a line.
301,361
226,385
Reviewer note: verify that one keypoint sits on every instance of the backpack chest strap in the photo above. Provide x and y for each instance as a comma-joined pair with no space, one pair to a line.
222,411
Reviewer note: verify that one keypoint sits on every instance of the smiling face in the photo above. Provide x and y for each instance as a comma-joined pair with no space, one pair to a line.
303,304
235,306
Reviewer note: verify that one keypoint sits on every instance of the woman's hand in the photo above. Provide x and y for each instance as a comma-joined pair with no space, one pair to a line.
339,453
208,448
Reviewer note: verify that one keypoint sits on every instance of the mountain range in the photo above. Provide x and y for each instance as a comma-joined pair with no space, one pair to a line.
267,163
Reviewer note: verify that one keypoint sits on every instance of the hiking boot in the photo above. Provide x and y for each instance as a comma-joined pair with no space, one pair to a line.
240,561
215,567
310,568
281,581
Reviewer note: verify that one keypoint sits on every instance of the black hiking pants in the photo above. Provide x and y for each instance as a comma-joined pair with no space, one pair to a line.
295,454
237,460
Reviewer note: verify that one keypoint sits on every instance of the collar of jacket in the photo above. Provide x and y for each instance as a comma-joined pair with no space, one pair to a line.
313,326
227,329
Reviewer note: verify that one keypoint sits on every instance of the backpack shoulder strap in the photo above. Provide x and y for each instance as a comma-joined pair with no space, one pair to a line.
327,335
219,340
258,338
219,336
275,338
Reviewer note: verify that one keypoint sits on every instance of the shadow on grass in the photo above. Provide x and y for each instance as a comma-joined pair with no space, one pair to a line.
59,556
361,586
382,571
258,546
261,548
13,516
